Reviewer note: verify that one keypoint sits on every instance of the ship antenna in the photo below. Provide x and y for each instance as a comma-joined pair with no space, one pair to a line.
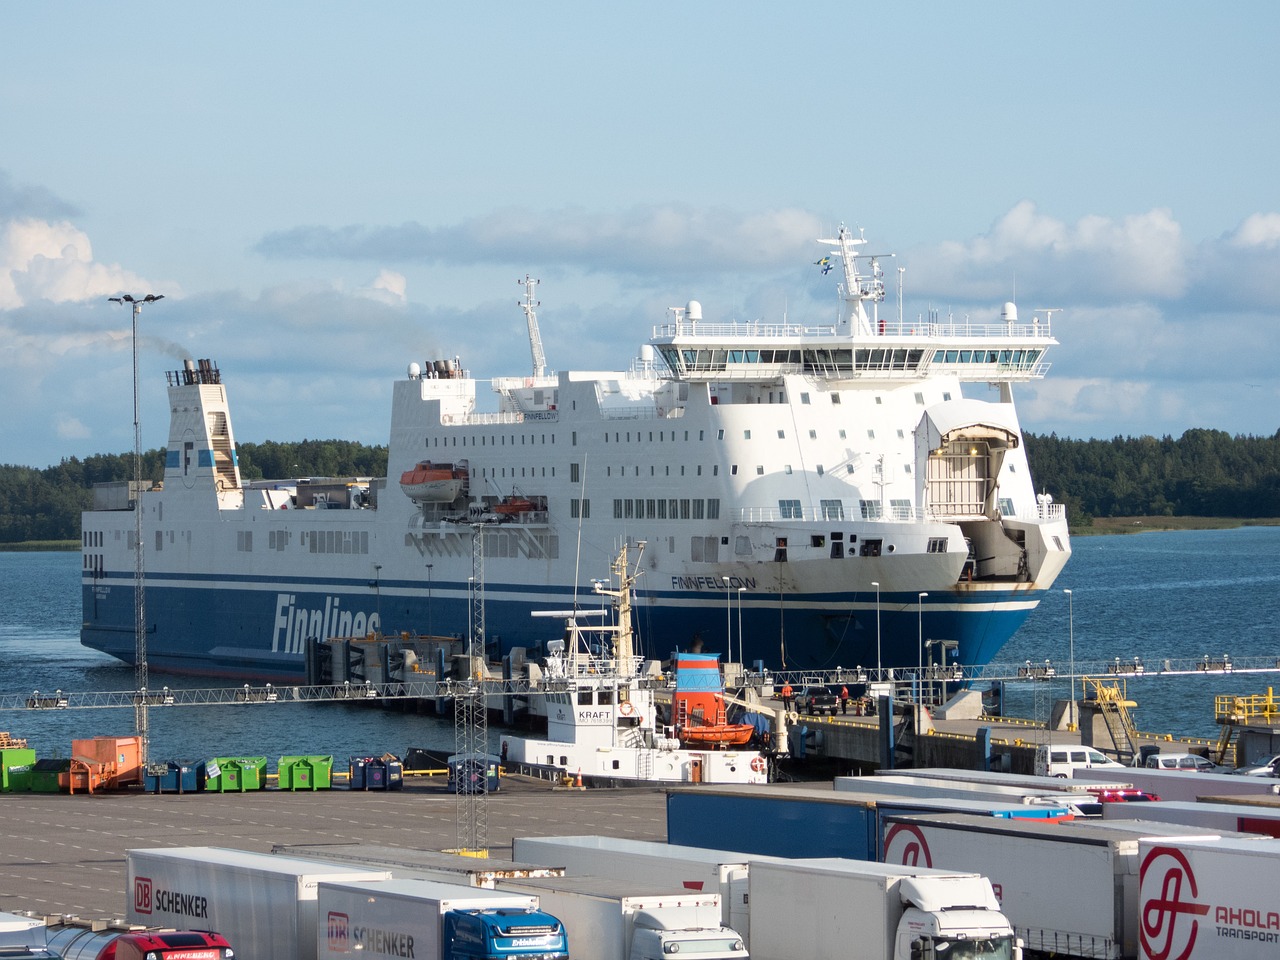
535,338
901,271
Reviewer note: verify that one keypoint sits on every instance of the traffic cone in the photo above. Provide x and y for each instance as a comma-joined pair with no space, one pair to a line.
578,783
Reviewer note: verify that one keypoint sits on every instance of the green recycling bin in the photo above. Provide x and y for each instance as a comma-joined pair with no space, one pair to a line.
47,774
305,773
15,769
235,774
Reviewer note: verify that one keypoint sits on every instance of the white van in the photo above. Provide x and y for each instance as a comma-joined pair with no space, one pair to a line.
1060,761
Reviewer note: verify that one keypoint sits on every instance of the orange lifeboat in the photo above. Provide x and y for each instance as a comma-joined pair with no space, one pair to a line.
698,705
433,482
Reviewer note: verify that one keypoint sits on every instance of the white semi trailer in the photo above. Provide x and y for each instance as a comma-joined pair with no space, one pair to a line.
1070,889
874,911
429,920
264,905
408,862
666,865
1211,900
628,920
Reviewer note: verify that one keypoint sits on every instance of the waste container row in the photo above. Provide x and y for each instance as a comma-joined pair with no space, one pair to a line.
21,771
241,774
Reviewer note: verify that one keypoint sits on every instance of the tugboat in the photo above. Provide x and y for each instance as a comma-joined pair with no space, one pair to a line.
602,725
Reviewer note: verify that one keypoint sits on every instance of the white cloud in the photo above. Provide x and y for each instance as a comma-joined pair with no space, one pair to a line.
645,240
40,260
71,428
1259,230
388,287
1098,259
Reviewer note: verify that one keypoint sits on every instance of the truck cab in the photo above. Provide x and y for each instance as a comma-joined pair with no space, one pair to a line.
965,936
657,935
503,933
938,924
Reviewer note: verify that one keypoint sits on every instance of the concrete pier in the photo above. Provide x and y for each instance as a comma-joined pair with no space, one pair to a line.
66,854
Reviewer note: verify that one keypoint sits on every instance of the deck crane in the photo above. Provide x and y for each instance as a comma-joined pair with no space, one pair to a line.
535,338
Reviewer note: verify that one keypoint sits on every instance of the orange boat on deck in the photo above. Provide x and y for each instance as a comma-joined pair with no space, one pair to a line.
433,482
698,708
510,506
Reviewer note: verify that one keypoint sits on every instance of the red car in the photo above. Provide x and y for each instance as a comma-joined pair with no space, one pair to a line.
1125,796
81,943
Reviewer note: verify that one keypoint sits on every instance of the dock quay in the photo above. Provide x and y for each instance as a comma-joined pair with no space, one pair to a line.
66,854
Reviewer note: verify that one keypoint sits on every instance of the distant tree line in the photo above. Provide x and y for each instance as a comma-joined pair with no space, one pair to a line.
1203,473
46,504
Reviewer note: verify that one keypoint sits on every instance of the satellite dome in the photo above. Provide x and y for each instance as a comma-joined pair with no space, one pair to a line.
693,311
1009,312
415,371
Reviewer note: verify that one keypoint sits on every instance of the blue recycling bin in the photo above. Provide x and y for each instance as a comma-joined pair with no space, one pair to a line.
376,773
175,777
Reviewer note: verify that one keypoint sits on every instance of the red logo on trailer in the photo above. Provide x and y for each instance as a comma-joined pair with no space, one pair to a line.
1163,934
142,894
904,843
339,932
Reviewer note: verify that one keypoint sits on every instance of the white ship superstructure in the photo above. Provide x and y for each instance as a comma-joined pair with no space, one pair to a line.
811,496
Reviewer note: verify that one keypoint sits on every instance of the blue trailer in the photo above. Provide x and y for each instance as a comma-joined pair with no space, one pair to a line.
802,822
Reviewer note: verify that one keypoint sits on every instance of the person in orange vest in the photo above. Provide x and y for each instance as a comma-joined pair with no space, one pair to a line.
786,696
844,699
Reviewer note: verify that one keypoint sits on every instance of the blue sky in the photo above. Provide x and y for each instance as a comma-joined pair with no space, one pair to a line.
326,192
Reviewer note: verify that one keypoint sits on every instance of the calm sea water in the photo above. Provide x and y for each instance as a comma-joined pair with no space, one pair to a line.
1152,595
40,650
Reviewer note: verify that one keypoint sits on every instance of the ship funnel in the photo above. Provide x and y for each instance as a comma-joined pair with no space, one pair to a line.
1009,312
693,311
189,365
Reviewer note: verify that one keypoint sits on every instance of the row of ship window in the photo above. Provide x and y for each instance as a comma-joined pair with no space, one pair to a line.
866,359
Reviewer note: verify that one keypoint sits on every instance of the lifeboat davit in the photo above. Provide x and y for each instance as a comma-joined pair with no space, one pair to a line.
433,482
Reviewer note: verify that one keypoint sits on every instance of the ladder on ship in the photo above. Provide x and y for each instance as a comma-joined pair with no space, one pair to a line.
1112,703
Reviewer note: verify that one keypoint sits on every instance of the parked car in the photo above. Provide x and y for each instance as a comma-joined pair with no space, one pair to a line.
1130,795
1180,761
815,699
1060,761
1261,767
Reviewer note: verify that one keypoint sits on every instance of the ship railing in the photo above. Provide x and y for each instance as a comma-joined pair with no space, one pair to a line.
907,329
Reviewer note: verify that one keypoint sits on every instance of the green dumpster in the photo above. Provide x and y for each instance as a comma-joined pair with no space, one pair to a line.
305,773
47,774
235,774
15,769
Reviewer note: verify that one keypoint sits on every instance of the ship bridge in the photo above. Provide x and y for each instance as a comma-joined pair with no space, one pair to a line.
1005,351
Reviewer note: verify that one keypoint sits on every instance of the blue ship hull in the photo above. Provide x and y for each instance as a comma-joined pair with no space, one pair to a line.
245,630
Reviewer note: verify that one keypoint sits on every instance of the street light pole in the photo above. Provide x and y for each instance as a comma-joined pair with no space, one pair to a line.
741,654
139,569
879,659
920,675
728,618
429,628
1071,640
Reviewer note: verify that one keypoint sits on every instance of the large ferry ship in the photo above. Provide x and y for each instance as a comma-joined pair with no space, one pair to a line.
811,496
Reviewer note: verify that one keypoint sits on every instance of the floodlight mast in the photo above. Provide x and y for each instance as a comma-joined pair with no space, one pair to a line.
141,723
